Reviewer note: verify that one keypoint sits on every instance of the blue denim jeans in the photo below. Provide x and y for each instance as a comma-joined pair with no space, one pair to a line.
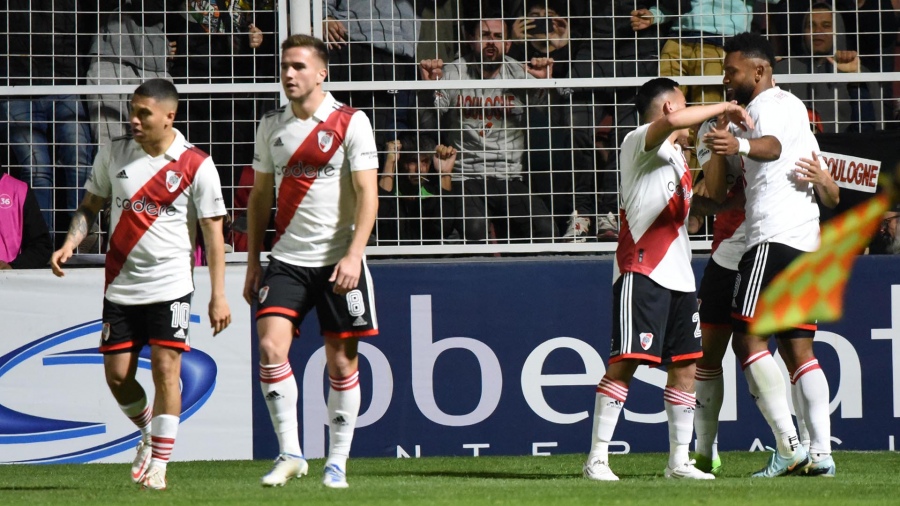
45,133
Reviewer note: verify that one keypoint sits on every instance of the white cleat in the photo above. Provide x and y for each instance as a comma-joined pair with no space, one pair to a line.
141,461
286,466
598,470
155,478
334,477
687,471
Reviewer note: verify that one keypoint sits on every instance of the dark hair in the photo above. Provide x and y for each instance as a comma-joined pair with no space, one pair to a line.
560,7
158,89
751,45
650,90
301,40
415,146
471,25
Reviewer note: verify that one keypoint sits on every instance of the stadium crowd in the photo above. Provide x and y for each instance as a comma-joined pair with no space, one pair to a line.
530,164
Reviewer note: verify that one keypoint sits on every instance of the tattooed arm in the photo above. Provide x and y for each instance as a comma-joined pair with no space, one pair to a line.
81,222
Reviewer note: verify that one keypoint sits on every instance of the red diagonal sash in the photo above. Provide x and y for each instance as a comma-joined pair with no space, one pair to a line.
656,240
132,225
292,190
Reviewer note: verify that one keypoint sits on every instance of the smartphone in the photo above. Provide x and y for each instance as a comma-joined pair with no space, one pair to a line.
541,26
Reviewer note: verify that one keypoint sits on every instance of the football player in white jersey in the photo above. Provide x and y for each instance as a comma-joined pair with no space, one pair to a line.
157,185
321,157
654,300
782,178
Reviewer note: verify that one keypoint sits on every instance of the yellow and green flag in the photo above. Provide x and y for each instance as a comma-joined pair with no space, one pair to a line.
812,287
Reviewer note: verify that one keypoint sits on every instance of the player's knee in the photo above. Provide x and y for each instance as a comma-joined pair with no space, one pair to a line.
270,350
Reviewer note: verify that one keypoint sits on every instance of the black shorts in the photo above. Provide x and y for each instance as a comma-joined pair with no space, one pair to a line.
653,324
717,289
759,265
291,291
129,328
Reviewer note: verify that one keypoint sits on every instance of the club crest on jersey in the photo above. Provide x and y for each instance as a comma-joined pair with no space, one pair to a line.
326,137
263,293
173,180
646,340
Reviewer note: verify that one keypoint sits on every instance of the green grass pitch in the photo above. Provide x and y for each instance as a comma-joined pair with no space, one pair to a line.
862,478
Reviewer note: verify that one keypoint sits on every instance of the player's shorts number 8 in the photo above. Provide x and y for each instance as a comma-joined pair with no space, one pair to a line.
355,303
181,314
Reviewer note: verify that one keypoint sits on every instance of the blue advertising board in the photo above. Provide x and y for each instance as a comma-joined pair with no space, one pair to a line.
503,357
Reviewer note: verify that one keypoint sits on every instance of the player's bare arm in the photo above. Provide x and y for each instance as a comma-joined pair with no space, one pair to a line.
763,149
81,222
213,238
663,127
347,271
259,209
809,170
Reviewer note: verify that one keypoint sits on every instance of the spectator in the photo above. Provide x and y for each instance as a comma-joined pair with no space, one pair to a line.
560,140
873,26
374,40
697,38
833,106
887,240
130,48
416,173
24,240
487,127
215,41
47,47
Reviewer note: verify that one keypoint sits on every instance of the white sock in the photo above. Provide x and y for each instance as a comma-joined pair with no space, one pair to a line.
279,389
343,408
680,413
814,396
767,387
802,431
608,405
710,394
140,412
163,430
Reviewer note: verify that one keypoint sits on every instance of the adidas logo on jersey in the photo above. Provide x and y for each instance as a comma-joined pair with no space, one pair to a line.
274,395
179,334
359,321
122,174
278,142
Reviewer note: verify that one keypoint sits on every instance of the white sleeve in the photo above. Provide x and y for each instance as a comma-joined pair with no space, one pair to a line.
262,155
703,152
98,182
359,146
206,191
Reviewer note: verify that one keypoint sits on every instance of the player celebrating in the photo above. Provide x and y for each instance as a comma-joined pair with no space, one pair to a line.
157,185
653,275
322,157
782,223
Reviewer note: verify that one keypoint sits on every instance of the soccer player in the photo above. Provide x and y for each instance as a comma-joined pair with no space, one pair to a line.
322,159
654,302
782,223
158,186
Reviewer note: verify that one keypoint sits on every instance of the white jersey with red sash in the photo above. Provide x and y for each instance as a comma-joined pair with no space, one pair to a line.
154,203
729,228
655,199
312,161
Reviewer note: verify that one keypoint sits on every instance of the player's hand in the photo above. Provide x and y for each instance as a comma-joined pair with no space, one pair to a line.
431,70
444,158
335,33
809,170
739,116
59,257
256,36
251,282
219,313
695,223
541,68
641,19
721,142
346,275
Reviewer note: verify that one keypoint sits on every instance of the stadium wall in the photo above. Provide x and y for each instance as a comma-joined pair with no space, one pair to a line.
476,358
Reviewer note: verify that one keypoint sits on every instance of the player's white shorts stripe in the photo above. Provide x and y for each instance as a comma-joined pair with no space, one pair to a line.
754,284
371,295
625,322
